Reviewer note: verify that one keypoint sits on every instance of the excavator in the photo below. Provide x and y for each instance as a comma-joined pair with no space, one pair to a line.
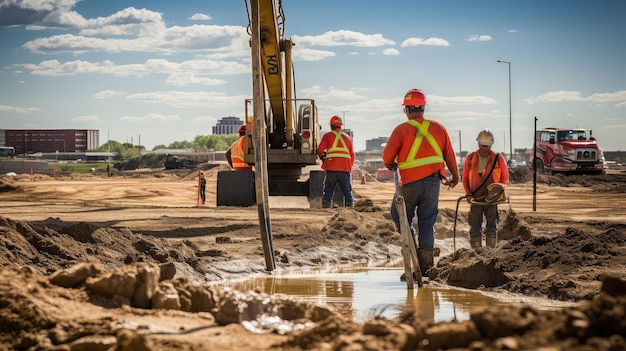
282,131
289,124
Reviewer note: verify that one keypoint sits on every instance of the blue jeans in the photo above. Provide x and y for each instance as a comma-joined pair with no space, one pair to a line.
334,178
475,219
421,196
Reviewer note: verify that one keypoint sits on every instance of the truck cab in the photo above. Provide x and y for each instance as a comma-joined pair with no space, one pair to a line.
568,151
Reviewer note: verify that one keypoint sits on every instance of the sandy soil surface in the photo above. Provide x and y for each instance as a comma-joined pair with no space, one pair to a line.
91,262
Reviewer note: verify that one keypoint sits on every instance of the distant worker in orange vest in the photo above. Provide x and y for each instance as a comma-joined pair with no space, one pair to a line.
482,168
420,149
337,153
236,152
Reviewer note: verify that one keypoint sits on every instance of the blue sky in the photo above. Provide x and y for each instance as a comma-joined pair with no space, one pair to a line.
165,71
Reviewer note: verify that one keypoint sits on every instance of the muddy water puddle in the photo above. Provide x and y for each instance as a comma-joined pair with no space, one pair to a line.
361,293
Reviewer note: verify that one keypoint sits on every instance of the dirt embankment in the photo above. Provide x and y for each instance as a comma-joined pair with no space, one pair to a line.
144,248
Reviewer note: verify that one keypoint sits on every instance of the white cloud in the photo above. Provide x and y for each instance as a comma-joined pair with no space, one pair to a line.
184,99
391,52
190,78
146,37
325,94
512,31
200,17
40,14
153,66
459,100
16,109
304,54
563,96
204,120
343,38
129,21
427,42
474,37
105,94
151,117
85,119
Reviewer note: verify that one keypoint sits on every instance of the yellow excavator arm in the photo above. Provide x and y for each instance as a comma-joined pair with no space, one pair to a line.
277,72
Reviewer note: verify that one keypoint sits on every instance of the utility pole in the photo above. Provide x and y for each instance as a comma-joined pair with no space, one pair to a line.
139,148
510,114
344,118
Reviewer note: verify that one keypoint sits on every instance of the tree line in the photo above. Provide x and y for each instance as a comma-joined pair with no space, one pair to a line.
212,142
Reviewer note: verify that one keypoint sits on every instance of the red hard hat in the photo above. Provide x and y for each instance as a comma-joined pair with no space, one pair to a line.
336,120
414,97
242,129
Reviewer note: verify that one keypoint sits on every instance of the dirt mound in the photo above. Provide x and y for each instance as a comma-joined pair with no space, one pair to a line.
520,175
563,267
85,307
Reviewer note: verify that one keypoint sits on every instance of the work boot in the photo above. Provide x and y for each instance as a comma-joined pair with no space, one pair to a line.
491,241
326,204
349,204
476,243
426,259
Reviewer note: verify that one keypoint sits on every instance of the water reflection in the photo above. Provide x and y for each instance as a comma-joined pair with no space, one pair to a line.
362,293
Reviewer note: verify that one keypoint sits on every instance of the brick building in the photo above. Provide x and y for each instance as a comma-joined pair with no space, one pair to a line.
50,140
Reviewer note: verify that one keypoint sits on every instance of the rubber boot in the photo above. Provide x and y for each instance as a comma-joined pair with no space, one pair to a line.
326,204
491,241
476,243
426,259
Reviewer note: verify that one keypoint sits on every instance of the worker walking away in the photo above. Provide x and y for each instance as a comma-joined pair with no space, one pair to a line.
236,151
420,149
202,187
336,151
482,168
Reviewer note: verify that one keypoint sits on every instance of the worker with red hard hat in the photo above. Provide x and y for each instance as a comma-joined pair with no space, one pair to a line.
235,154
337,153
420,149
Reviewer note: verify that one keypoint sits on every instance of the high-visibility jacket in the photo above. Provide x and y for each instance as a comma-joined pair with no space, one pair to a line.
339,151
421,148
472,179
237,152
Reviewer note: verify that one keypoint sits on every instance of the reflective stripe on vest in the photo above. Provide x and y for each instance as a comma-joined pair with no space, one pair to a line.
338,151
237,155
421,133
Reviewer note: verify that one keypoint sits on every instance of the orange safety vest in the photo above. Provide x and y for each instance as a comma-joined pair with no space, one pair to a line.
338,151
475,179
237,152
422,133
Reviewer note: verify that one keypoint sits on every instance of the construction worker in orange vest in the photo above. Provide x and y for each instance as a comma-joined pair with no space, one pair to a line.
336,151
482,168
420,149
234,154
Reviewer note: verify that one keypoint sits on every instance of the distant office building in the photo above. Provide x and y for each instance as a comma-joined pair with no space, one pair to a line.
375,144
227,125
50,140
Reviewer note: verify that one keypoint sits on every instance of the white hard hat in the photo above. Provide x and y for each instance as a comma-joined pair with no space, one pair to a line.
485,137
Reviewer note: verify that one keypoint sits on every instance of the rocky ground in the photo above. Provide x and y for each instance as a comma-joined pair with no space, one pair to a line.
91,262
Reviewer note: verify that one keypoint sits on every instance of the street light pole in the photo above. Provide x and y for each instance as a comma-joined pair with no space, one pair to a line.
344,118
510,114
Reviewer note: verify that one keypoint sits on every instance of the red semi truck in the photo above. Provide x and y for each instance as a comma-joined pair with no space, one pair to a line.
568,151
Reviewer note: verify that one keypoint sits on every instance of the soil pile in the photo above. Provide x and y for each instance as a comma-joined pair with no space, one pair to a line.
85,307
87,265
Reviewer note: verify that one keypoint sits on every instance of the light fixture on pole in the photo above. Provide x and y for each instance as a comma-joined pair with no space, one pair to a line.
510,115
343,118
